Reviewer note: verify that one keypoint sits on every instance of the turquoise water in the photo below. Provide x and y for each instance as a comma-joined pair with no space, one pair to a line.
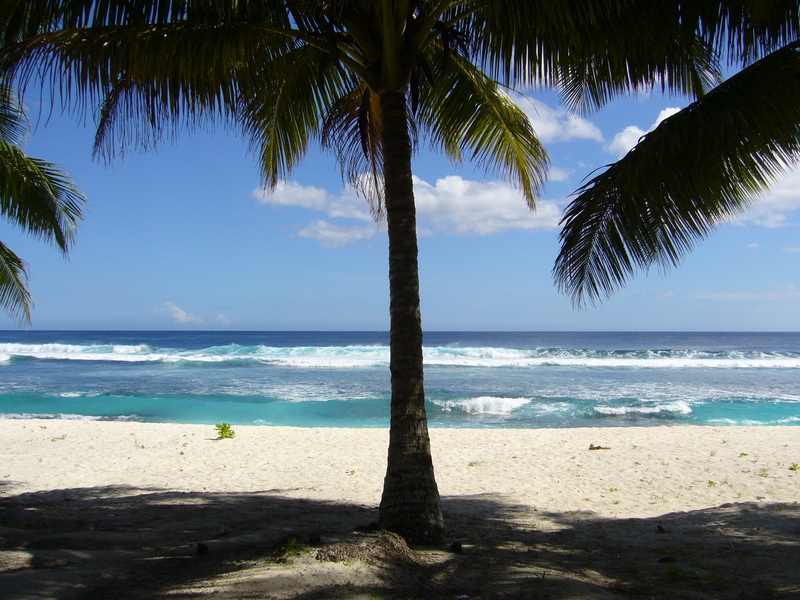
341,379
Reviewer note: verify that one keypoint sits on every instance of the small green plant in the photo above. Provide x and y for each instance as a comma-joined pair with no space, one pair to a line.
764,473
712,483
744,454
794,467
224,431
61,437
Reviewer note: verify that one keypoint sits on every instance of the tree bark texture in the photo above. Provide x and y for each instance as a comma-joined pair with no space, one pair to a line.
410,505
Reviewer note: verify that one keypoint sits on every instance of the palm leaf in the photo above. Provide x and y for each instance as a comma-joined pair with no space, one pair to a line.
695,170
38,197
13,129
283,106
464,110
15,299
352,129
593,50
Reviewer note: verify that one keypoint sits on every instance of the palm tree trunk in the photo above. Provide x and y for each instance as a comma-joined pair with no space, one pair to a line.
410,505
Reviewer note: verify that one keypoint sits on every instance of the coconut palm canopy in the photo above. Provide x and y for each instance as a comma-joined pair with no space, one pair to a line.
371,80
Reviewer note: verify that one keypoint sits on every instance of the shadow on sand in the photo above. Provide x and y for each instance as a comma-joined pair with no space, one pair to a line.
116,542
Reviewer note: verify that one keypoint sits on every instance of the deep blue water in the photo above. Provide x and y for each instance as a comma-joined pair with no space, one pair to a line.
341,379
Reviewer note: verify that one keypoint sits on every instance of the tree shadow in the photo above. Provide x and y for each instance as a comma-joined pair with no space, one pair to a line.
119,542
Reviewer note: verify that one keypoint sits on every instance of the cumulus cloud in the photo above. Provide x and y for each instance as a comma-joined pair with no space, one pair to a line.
556,174
556,124
331,235
348,205
774,208
451,206
630,136
454,205
178,314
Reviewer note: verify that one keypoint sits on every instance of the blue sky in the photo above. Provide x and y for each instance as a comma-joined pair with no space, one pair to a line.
185,238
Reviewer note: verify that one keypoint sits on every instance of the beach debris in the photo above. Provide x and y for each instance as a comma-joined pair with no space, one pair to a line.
593,447
388,548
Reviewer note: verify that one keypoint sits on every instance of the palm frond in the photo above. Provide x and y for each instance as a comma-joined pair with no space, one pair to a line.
150,80
747,30
15,299
696,169
593,50
38,197
13,125
283,106
465,111
352,131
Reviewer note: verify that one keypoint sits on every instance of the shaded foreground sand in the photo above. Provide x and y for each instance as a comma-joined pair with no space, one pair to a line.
119,510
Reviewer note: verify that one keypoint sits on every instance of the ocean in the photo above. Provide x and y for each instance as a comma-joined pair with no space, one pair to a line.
341,379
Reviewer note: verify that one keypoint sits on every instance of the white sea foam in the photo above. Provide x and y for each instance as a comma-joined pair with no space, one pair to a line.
490,405
678,406
77,352
60,416
68,417
339,357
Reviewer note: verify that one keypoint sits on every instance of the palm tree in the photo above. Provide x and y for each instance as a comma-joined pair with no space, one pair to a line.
36,196
370,80
699,167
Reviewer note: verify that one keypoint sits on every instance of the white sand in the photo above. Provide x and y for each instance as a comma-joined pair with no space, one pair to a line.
97,510
644,472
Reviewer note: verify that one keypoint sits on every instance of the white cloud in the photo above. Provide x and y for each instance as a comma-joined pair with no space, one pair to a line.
556,174
556,124
330,235
452,206
773,209
754,246
178,314
222,320
630,136
291,193
458,206
348,205
791,250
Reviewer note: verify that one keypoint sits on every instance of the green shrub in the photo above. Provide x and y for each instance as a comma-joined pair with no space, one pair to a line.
224,431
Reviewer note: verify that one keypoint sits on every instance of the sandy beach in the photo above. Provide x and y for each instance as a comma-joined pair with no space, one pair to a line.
133,510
